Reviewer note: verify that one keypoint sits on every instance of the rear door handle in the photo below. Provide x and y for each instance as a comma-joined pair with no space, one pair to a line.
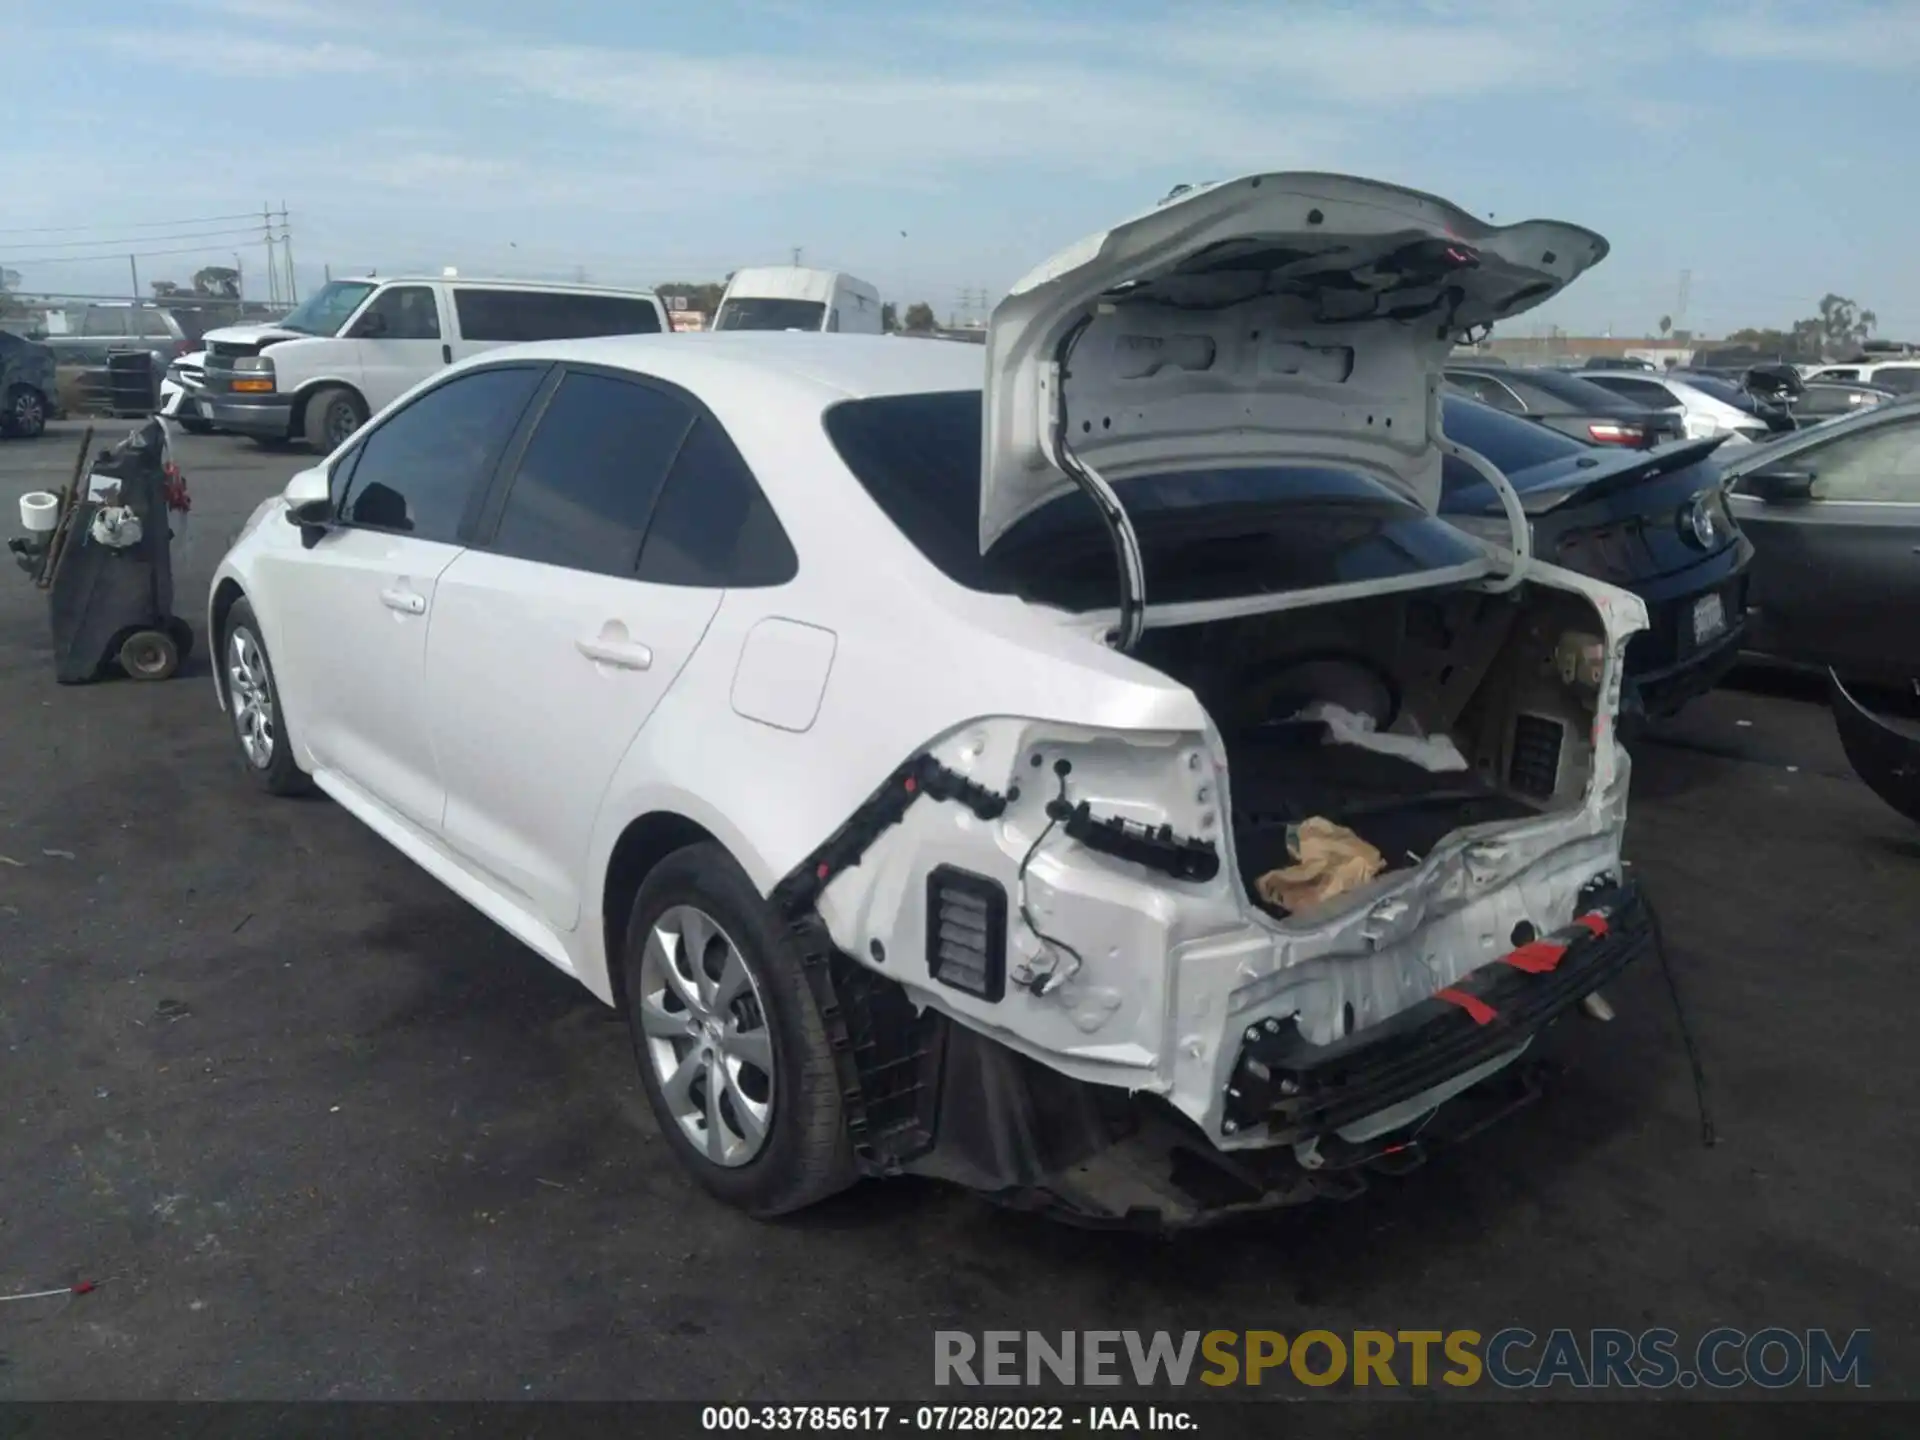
407,602
625,654
446,354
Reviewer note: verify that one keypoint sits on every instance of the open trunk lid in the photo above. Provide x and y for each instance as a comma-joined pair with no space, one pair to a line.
1298,319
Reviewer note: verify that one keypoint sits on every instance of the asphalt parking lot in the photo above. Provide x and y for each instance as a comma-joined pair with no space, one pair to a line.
320,1131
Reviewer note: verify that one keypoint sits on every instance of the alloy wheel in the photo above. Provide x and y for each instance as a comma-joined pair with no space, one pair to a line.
251,698
29,412
707,1037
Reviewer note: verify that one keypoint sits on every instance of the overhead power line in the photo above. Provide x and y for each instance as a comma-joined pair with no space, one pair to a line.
13,262
156,239
130,225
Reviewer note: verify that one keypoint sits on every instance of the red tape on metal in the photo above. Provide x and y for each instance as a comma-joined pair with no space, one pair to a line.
1477,1009
1536,957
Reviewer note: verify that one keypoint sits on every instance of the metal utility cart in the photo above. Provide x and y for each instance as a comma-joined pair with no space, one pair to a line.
106,561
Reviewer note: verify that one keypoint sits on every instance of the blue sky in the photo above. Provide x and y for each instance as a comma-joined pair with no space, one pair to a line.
1767,148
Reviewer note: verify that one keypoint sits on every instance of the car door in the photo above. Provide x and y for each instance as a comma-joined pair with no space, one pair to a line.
400,342
352,612
557,634
1836,576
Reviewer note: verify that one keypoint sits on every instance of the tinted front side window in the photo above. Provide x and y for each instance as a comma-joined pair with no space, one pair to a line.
104,322
1881,464
418,470
713,525
410,312
591,474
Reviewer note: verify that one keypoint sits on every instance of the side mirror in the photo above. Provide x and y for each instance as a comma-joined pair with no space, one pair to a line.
370,326
1780,487
309,497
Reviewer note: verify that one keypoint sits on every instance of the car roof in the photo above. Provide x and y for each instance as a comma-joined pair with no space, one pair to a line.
492,282
834,367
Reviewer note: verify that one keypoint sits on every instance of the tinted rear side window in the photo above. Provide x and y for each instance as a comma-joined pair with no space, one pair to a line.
1901,379
713,525
517,316
591,474
1508,442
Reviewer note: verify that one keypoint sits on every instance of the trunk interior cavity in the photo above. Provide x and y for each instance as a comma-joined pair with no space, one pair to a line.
1512,680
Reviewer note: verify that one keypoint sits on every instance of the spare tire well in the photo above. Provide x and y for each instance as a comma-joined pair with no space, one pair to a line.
641,846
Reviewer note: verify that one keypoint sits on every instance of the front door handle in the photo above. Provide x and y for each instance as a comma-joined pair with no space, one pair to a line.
624,653
446,354
407,602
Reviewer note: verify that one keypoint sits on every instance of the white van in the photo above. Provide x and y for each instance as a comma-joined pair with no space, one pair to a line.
792,297
354,346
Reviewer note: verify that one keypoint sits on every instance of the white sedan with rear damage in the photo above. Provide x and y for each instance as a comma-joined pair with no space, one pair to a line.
934,760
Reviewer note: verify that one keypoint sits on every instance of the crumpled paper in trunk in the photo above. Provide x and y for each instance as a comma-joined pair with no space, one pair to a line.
1330,861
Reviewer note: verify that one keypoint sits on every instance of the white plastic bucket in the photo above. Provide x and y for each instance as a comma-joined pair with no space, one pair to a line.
39,512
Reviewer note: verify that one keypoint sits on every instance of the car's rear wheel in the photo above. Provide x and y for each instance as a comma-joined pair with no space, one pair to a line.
25,413
253,706
332,416
731,1048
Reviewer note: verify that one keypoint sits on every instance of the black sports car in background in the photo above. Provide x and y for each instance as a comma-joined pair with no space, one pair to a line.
1654,522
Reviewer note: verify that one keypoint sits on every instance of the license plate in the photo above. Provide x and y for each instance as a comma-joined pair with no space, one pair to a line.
1709,618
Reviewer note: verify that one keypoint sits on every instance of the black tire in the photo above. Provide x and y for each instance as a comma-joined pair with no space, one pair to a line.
25,412
150,655
182,634
277,775
333,414
808,1154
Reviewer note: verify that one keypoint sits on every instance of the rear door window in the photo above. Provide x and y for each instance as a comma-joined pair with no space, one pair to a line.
418,471
104,321
519,316
587,484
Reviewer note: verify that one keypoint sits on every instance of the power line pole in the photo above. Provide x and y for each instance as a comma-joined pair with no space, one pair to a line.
133,266
796,257
286,241
273,270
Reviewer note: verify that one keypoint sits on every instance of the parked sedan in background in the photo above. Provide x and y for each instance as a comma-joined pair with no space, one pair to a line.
1654,522
1834,517
1821,400
26,386
1566,403
1707,407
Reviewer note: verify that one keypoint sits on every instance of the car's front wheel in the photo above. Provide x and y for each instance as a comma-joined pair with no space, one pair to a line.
253,705
732,1051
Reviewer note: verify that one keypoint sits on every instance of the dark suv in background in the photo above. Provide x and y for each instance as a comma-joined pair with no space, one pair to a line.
27,392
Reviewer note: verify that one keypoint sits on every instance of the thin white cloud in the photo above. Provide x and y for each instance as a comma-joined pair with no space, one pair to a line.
1852,35
210,52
